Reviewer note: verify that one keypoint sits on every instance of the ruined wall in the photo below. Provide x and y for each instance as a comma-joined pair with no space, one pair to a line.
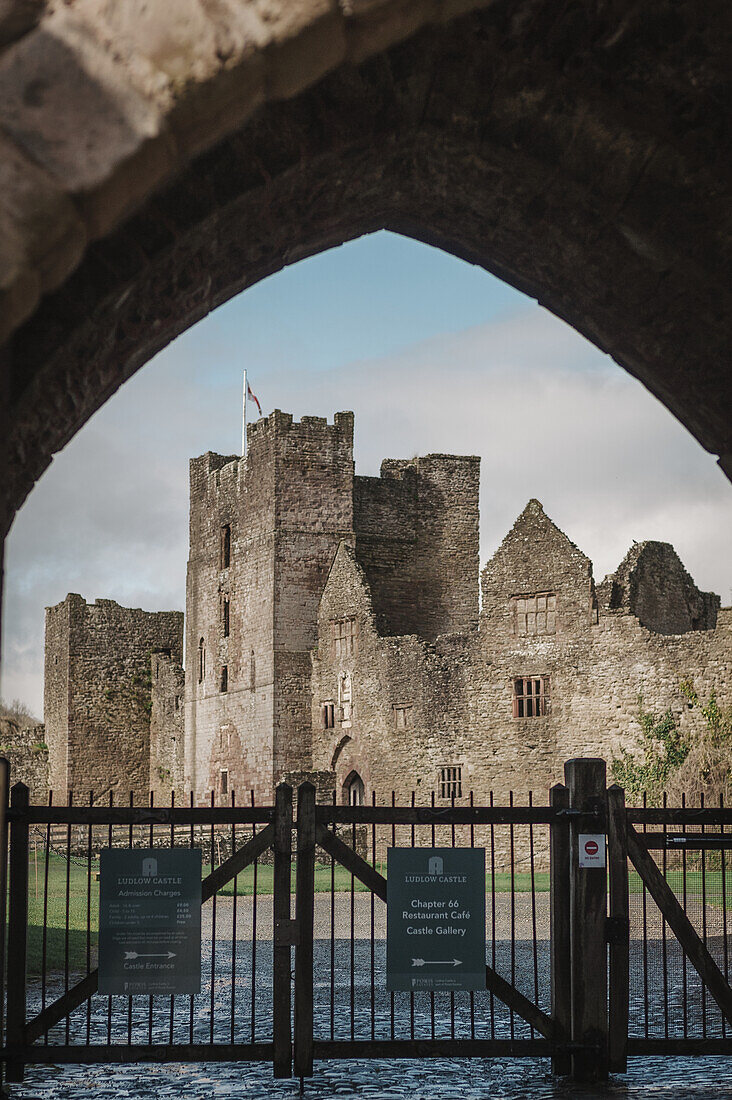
26,750
652,584
459,692
407,697
416,532
167,696
98,680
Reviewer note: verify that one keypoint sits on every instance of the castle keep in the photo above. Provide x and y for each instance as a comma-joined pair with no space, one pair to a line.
333,631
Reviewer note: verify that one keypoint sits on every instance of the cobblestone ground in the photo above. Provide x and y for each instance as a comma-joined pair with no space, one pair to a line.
346,999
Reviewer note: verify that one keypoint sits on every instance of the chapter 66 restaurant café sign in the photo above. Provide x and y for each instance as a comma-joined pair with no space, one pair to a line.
435,936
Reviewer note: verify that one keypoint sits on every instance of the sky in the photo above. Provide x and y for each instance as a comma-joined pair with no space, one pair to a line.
432,355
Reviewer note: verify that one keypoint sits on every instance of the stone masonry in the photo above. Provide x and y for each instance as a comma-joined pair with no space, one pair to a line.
334,632
27,753
97,696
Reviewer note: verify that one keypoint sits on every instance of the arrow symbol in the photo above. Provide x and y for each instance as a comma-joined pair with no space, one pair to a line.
160,955
437,962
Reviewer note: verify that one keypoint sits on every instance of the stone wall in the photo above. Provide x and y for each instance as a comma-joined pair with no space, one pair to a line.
167,733
416,531
653,585
27,752
98,693
418,708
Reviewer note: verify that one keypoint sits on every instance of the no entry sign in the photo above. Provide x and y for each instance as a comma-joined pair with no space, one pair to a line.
592,850
435,918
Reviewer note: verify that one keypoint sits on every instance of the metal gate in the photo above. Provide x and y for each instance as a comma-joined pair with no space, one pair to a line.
562,940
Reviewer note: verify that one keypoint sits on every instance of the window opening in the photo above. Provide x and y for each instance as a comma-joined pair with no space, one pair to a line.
534,614
224,685
402,716
224,781
344,634
451,781
252,672
225,615
531,697
226,546
201,661
328,715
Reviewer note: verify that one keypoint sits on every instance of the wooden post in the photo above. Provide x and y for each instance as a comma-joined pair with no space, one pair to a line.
17,928
559,927
304,913
619,930
588,909
281,964
4,795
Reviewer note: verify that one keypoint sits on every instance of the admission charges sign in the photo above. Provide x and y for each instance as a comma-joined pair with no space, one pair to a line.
435,919
150,920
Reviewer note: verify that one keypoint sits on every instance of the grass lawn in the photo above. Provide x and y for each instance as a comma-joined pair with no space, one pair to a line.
56,914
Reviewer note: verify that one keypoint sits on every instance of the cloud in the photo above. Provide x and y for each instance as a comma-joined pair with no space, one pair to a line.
550,416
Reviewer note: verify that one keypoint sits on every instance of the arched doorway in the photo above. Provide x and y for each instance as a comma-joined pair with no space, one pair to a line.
353,790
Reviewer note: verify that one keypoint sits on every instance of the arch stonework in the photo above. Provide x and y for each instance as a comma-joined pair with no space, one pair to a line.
154,168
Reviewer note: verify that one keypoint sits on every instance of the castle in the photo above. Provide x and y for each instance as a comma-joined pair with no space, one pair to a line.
333,631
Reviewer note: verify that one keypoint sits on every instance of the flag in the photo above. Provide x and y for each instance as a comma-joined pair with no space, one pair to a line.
254,398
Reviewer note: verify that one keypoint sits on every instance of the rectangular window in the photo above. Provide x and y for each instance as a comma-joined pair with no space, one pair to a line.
402,716
224,678
344,634
451,782
252,672
225,615
224,781
531,697
328,715
226,546
534,614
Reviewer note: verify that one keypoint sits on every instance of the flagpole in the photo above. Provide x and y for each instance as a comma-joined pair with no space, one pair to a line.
244,419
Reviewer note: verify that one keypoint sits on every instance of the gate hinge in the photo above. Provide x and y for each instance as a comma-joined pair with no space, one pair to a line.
617,930
287,933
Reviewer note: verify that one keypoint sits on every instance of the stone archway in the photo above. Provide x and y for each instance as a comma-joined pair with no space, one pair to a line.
156,168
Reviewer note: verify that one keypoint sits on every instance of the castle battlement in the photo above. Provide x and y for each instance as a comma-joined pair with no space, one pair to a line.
280,423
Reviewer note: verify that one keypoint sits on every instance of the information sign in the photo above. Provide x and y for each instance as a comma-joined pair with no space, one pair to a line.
150,920
435,921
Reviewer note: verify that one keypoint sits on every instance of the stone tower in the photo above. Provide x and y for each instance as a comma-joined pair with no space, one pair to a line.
263,533
97,693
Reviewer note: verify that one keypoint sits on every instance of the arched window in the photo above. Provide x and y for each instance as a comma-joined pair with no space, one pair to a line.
353,790
201,661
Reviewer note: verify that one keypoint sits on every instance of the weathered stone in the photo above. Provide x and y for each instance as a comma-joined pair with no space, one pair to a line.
20,285
26,750
17,17
70,108
97,693
45,218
